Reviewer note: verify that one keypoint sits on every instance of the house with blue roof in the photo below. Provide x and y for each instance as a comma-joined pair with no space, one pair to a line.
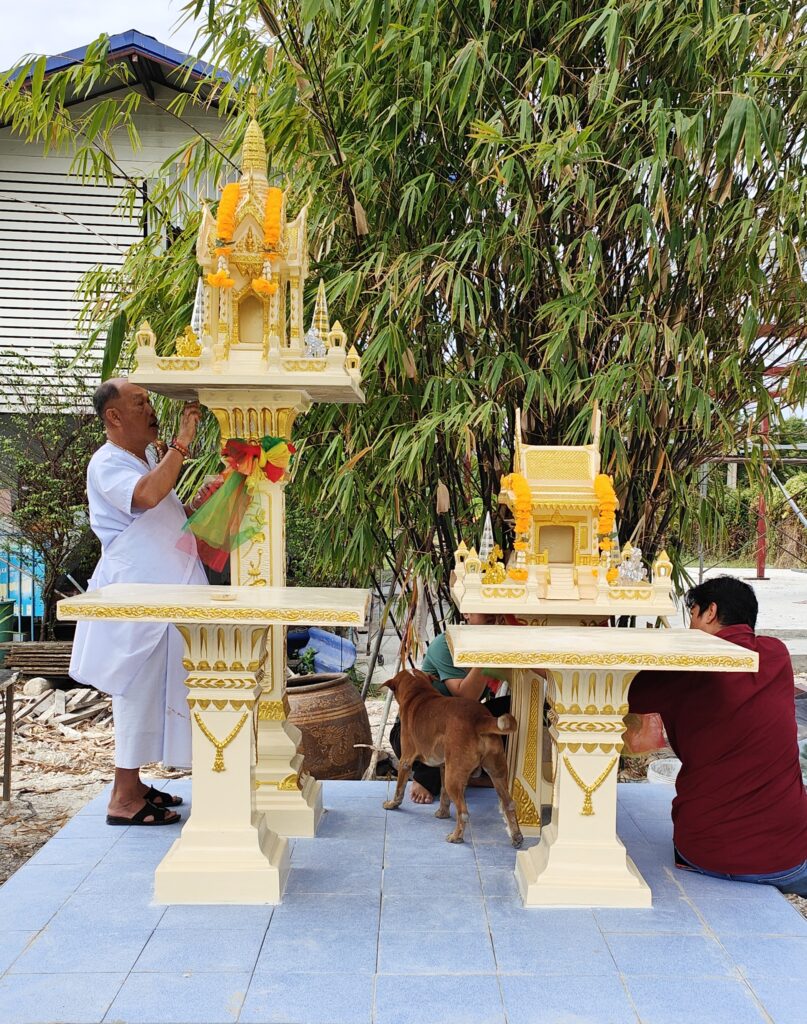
54,228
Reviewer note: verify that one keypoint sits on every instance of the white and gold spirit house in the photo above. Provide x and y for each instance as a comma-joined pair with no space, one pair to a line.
250,361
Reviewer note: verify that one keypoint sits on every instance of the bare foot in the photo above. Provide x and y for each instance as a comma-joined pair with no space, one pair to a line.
420,795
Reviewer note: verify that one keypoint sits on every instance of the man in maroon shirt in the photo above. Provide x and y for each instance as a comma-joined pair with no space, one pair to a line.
740,809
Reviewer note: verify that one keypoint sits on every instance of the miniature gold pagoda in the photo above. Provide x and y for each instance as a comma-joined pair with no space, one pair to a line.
567,566
248,328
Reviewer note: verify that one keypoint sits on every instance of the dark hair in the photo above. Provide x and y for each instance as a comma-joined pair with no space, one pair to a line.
103,396
736,601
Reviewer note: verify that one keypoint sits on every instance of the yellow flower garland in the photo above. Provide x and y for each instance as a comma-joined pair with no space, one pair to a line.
221,279
225,219
264,287
522,513
608,502
271,219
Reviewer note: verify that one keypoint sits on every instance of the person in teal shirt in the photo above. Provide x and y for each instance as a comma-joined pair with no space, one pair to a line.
450,681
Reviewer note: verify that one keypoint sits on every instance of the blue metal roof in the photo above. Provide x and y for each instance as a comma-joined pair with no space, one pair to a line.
126,43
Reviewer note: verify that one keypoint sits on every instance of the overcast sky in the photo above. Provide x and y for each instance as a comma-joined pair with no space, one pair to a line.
53,26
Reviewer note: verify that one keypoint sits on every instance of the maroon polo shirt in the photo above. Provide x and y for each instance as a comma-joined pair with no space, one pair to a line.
740,805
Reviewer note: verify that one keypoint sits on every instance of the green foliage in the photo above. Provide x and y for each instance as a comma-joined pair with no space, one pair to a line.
306,666
44,451
512,204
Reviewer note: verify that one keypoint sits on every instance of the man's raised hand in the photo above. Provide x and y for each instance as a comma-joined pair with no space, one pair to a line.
189,421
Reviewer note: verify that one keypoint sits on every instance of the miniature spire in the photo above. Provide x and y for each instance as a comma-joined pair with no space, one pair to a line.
487,543
253,152
196,316
319,321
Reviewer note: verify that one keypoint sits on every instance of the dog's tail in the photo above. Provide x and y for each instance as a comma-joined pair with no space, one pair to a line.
501,726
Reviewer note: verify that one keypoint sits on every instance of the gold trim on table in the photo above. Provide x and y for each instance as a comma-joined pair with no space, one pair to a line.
543,659
219,613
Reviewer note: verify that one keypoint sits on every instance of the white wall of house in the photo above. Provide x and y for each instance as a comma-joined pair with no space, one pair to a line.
54,228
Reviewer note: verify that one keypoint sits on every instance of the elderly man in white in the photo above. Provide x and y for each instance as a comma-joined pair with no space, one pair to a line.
138,518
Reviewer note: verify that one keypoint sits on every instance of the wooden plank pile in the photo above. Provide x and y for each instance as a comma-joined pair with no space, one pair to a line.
39,658
64,709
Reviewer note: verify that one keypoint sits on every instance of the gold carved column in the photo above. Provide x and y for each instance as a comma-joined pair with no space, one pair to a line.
530,779
290,799
580,860
225,853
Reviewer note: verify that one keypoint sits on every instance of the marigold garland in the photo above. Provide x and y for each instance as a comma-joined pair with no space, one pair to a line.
522,514
225,218
271,218
264,287
221,279
522,506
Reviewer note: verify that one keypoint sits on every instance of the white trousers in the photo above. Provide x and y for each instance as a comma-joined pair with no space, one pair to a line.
152,719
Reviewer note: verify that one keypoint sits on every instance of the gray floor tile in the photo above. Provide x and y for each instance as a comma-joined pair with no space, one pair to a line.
438,999
682,955
216,917
433,913
761,957
542,1000
309,999
784,1003
663,999
12,944
318,951
49,998
201,950
79,950
406,952
739,917
179,999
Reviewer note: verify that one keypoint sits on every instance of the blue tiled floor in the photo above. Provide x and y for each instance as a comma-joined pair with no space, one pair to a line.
385,923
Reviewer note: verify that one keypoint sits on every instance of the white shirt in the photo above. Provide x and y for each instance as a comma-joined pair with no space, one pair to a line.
112,476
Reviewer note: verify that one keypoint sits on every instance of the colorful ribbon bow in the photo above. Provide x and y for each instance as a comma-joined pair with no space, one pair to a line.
218,524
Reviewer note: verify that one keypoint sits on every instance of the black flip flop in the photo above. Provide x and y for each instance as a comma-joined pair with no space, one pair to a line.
159,814
160,799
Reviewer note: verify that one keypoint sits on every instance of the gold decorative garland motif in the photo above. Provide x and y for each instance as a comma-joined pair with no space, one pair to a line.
526,811
290,784
210,683
212,615
595,726
540,659
273,710
588,807
499,591
304,365
531,749
220,705
220,745
177,363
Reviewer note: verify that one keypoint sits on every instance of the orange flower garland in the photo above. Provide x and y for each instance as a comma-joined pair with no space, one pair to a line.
225,219
606,496
271,219
221,279
522,513
264,287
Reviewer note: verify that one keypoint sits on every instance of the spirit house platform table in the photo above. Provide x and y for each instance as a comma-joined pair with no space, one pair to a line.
227,853
580,859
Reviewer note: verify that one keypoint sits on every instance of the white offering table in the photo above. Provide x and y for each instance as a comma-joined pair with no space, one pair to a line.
226,853
580,859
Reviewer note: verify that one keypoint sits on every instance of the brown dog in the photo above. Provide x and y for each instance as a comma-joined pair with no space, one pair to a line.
459,735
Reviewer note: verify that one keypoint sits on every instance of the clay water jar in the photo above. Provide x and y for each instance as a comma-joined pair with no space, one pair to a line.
331,715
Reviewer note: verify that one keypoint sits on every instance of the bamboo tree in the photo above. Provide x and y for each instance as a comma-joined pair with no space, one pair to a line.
513,205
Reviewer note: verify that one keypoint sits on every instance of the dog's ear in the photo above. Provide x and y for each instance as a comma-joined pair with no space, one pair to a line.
391,684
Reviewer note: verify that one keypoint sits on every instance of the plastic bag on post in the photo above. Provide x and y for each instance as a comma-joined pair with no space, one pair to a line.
643,734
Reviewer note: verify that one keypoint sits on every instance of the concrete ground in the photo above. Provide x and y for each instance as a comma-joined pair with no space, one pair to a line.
383,922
